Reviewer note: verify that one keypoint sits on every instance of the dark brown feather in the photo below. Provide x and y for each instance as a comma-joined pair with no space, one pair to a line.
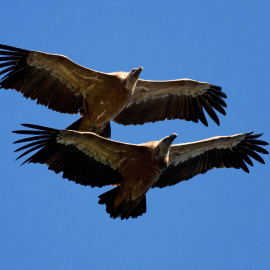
209,109
75,165
173,106
37,84
235,157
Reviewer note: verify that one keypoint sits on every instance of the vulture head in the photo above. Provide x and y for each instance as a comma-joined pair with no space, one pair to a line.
161,151
132,78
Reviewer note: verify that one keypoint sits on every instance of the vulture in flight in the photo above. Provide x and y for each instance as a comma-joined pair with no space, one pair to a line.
64,86
91,160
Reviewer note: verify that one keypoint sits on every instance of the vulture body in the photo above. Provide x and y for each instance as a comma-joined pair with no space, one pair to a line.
91,160
64,86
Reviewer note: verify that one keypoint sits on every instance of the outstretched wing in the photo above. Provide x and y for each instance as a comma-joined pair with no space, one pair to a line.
190,159
53,80
179,99
83,157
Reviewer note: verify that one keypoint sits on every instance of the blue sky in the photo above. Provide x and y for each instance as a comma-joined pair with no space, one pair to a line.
219,220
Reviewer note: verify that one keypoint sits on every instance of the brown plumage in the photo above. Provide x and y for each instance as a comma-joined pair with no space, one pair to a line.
190,159
91,160
64,86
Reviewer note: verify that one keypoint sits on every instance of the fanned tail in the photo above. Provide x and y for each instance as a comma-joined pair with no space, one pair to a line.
106,132
126,210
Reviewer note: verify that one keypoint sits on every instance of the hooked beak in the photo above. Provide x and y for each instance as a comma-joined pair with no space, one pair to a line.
138,71
169,139
165,144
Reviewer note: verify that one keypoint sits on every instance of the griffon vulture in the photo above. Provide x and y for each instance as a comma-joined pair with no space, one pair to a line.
91,160
64,86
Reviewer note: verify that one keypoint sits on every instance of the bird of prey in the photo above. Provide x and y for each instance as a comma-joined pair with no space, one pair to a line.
64,86
91,160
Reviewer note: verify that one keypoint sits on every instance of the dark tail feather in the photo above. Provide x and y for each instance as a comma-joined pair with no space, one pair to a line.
106,133
126,209
140,209
75,125
108,198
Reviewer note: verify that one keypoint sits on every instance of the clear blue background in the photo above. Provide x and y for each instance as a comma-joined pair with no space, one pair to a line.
219,220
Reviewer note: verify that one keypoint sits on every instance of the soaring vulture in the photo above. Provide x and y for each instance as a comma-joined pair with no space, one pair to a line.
91,160
64,86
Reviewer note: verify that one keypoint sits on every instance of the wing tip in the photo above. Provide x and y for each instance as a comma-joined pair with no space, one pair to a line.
12,48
